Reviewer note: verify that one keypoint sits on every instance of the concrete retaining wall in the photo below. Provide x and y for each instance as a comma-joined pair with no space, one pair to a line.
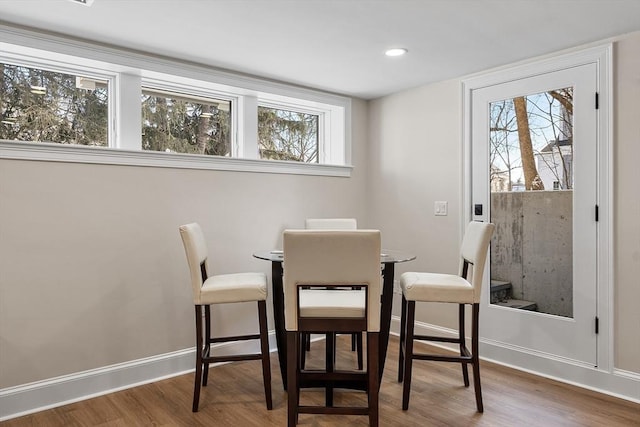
532,247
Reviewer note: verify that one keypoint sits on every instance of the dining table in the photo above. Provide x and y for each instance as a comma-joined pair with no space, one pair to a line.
388,260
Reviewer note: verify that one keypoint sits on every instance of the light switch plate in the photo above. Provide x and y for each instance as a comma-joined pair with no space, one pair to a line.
441,208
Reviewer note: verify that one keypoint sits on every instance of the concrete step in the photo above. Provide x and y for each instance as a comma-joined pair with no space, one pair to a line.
518,304
498,285
500,291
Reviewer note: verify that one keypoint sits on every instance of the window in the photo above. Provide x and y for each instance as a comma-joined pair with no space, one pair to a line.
536,153
288,135
176,124
96,104
47,106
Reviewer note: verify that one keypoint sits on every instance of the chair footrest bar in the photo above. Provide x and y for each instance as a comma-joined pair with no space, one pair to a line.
336,376
320,325
236,338
441,358
337,410
231,358
436,338
347,385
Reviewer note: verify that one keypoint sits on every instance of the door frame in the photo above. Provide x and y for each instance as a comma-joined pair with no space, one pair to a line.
601,56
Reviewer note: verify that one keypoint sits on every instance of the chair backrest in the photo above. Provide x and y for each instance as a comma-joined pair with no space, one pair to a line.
329,257
475,246
195,248
331,224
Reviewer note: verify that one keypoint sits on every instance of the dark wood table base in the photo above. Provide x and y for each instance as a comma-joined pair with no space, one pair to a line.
281,335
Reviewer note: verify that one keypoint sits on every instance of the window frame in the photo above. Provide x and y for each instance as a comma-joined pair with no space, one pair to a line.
70,69
197,94
128,72
322,120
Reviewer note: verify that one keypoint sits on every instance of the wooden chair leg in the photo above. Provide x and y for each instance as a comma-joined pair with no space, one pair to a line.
330,352
264,351
207,341
199,348
293,387
334,343
476,358
359,350
403,328
408,354
354,338
373,339
462,338
304,345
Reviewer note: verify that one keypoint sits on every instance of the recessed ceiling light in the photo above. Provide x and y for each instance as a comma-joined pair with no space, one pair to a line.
396,51
84,2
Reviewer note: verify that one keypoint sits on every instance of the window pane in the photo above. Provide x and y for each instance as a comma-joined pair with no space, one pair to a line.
532,151
46,106
532,142
180,124
287,135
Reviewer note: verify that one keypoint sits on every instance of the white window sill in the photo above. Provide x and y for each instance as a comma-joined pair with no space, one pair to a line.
109,156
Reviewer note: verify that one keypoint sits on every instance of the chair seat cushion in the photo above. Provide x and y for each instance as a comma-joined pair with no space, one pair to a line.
437,287
332,303
237,287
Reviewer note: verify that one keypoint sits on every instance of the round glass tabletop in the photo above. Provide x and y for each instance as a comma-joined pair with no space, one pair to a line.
387,256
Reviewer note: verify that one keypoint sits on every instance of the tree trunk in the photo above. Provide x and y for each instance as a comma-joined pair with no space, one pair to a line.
532,180
202,136
565,98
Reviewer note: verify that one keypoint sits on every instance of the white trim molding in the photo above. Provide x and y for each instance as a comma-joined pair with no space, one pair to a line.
601,55
129,72
38,396
614,382
42,151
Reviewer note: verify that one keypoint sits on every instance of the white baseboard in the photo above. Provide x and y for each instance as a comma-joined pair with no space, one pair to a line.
618,383
34,397
38,396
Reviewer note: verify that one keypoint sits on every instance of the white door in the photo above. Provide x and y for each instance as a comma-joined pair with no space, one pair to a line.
539,132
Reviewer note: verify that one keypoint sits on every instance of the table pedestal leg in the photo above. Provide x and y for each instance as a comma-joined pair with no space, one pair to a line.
385,313
278,317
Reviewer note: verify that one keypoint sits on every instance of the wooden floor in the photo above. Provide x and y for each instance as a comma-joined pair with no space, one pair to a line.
234,397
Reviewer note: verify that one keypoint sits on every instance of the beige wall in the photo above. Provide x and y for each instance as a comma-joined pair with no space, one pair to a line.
416,160
92,269
626,217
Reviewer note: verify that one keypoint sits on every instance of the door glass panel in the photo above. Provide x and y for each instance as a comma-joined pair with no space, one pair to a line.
531,181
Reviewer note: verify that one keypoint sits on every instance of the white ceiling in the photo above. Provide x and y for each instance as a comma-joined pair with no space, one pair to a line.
337,45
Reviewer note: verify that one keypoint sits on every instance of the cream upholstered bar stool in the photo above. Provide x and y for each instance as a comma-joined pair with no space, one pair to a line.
322,269
461,289
219,289
356,338
331,224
